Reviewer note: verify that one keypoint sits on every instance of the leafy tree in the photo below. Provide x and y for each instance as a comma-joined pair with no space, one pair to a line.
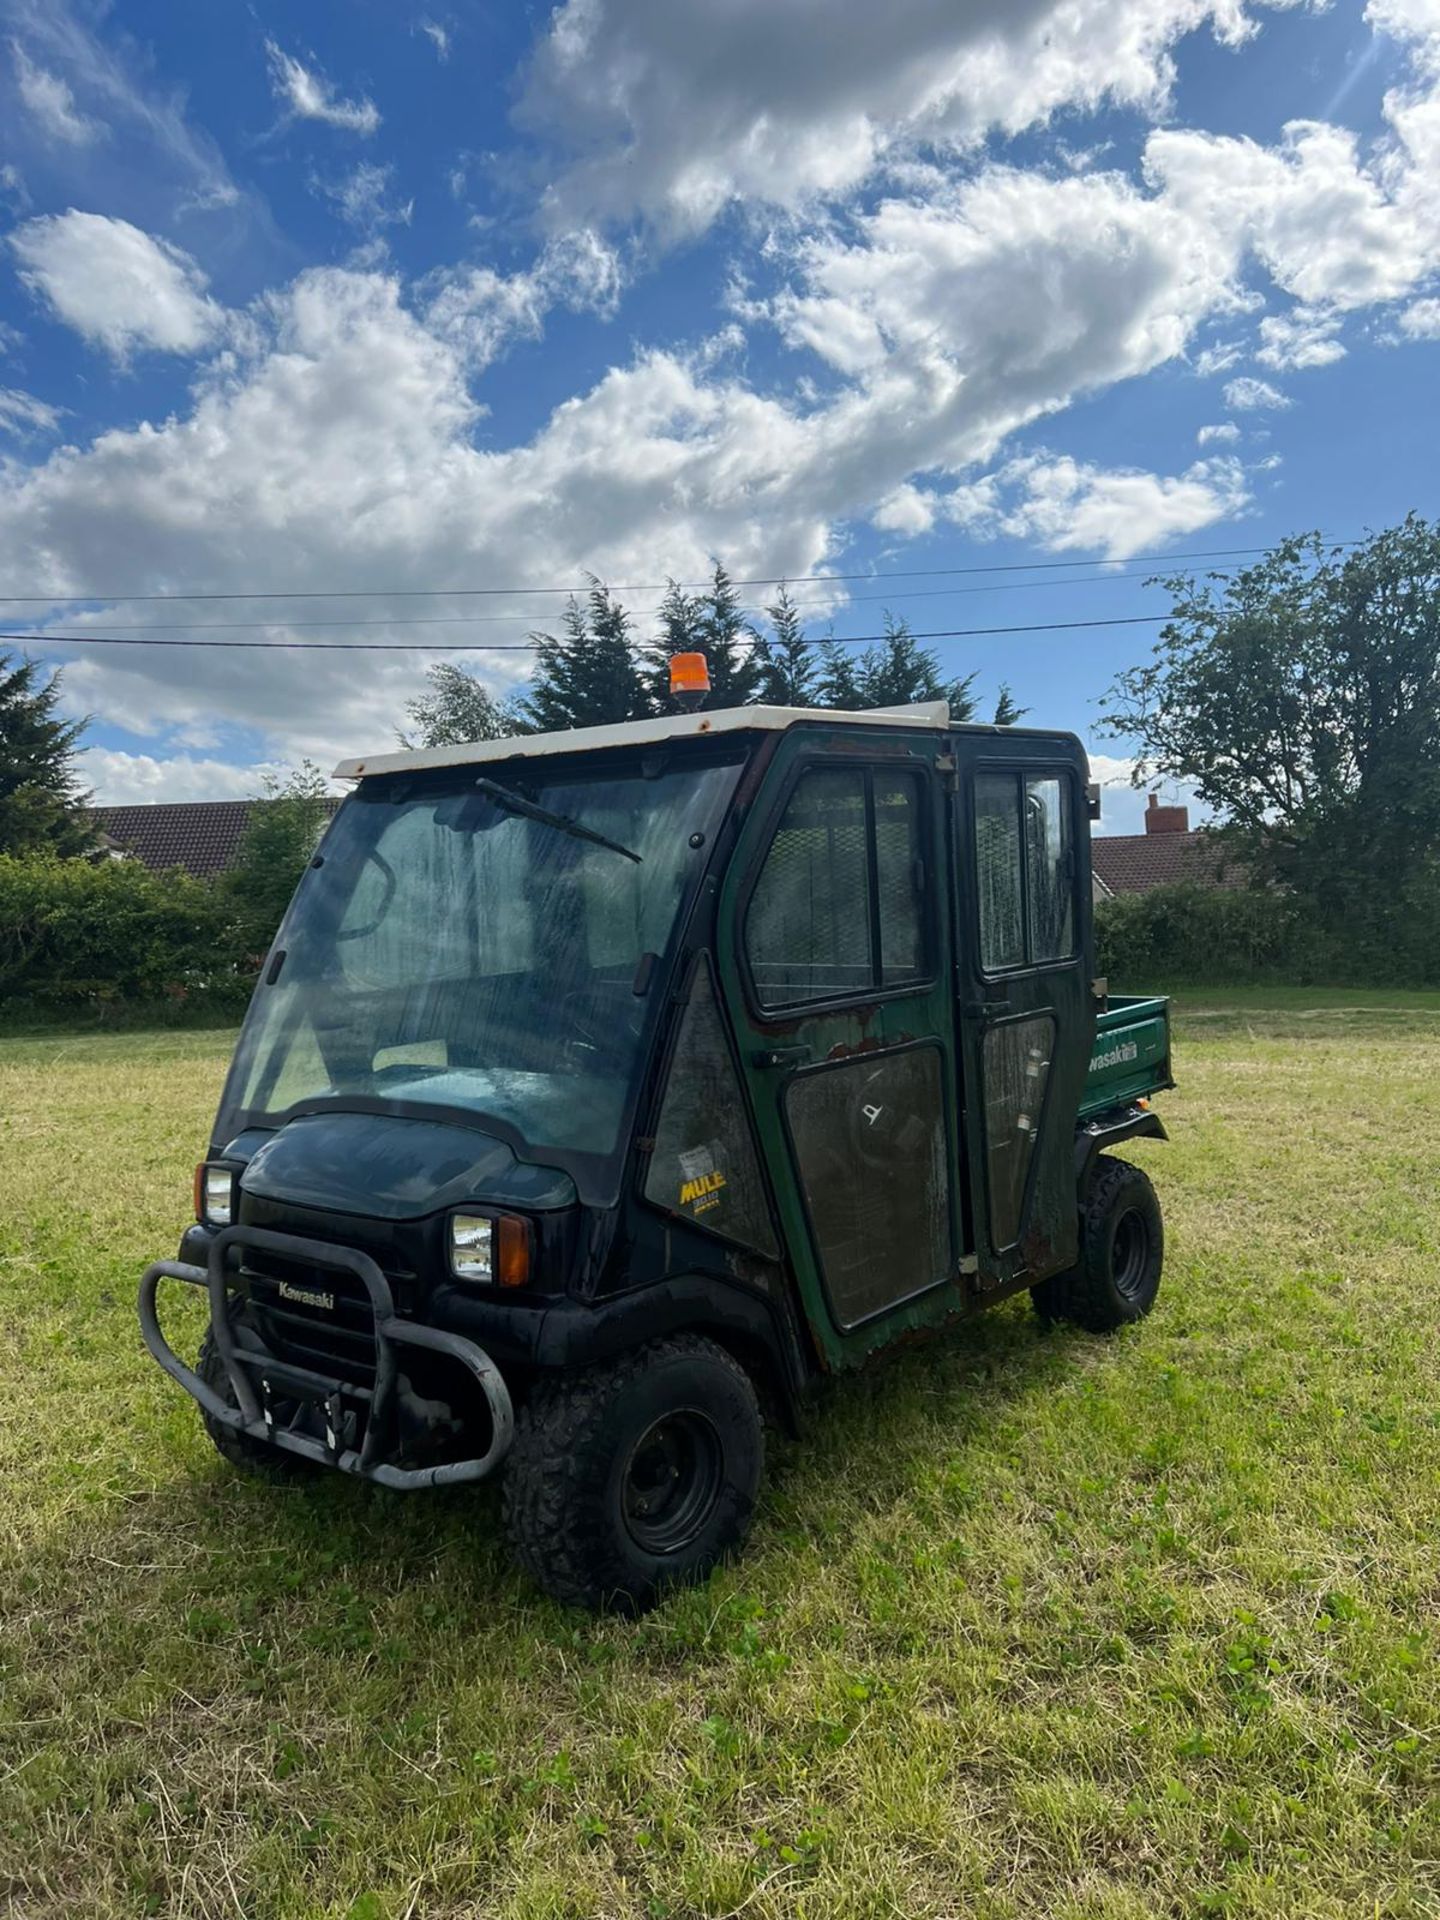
1301,698
786,659
456,708
587,676
285,824
41,800
1007,714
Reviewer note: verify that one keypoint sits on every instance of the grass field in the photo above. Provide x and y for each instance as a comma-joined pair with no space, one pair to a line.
1033,1624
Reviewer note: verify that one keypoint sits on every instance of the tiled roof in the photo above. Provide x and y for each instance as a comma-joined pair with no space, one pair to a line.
202,836
1135,862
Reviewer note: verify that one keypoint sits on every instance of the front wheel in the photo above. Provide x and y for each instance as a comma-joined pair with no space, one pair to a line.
1122,1249
630,1478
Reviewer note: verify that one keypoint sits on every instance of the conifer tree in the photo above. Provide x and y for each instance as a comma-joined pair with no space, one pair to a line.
1007,714
728,643
586,676
680,632
838,684
41,799
786,659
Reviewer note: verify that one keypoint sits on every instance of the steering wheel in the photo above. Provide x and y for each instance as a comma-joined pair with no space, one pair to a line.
387,875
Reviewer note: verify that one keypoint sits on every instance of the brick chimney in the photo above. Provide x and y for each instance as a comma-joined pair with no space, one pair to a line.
1160,819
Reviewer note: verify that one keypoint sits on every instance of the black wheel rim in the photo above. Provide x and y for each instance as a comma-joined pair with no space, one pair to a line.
1130,1254
672,1481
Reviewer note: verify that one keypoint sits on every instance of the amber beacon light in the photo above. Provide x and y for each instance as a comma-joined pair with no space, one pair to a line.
689,680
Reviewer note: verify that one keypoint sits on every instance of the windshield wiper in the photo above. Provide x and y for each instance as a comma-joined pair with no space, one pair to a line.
517,803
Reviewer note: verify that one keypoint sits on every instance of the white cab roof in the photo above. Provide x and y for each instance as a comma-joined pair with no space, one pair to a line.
640,733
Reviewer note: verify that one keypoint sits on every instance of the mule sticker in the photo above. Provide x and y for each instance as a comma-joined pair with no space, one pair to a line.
703,1182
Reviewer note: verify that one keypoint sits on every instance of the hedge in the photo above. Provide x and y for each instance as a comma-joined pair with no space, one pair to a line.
1218,936
85,935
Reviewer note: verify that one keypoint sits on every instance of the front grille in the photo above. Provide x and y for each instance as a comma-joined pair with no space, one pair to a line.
338,1340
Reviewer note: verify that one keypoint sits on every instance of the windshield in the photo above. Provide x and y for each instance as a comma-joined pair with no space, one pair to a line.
458,947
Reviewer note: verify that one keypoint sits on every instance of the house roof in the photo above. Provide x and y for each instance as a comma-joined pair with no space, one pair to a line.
203,836
1135,862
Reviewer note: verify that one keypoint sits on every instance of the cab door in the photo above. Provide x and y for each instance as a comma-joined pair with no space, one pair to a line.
1027,1014
836,953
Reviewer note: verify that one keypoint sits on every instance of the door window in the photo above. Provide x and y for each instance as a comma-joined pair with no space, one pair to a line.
704,1164
838,908
1025,869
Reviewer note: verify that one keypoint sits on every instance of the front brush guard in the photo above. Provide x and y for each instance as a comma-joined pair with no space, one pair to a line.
391,1333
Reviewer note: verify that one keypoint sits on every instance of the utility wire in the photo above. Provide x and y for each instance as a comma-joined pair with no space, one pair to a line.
72,598
528,646
636,613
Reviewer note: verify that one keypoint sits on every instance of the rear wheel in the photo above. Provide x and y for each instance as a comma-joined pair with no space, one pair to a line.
250,1456
630,1478
1122,1249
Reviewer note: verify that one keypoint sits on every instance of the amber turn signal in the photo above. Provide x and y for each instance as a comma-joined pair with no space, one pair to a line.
512,1251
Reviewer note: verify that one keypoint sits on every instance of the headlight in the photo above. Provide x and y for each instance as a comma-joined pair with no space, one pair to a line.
490,1249
214,1195
472,1245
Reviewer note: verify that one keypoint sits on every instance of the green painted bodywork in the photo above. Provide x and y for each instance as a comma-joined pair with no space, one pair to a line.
1094,1066
1131,1055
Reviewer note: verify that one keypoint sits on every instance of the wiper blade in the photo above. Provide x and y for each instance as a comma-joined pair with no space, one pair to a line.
517,803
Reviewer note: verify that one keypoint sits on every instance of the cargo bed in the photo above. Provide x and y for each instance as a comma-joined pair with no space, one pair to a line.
1131,1056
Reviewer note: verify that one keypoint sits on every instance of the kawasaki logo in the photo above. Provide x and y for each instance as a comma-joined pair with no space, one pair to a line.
1116,1057
307,1296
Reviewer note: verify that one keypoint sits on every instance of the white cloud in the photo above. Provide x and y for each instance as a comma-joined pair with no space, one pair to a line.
1299,339
119,287
673,112
118,779
112,83
363,199
1421,320
438,36
481,311
1246,394
1224,433
309,96
47,97
1219,358
22,414
1066,505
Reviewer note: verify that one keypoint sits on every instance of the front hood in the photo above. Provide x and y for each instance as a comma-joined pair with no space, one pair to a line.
388,1168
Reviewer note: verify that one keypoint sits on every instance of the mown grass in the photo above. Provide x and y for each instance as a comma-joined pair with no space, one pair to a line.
1032,1624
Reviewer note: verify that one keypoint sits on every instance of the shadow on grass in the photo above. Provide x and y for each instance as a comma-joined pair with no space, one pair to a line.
337,1570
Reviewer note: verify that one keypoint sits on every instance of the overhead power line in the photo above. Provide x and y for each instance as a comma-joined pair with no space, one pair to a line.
527,646
70,597
636,613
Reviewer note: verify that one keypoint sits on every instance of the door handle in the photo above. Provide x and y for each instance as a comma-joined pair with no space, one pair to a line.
977,1009
780,1056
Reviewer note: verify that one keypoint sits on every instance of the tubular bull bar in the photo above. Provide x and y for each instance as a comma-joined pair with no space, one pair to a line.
252,1415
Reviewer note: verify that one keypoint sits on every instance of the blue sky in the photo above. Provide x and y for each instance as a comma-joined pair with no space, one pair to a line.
366,298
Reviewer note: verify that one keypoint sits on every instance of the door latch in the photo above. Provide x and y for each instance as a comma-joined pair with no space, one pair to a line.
780,1056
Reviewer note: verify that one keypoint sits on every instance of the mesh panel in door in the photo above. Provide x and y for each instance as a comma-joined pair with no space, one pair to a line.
871,1150
807,935
1017,1070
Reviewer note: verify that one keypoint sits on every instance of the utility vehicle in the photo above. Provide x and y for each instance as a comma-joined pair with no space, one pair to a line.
603,1089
